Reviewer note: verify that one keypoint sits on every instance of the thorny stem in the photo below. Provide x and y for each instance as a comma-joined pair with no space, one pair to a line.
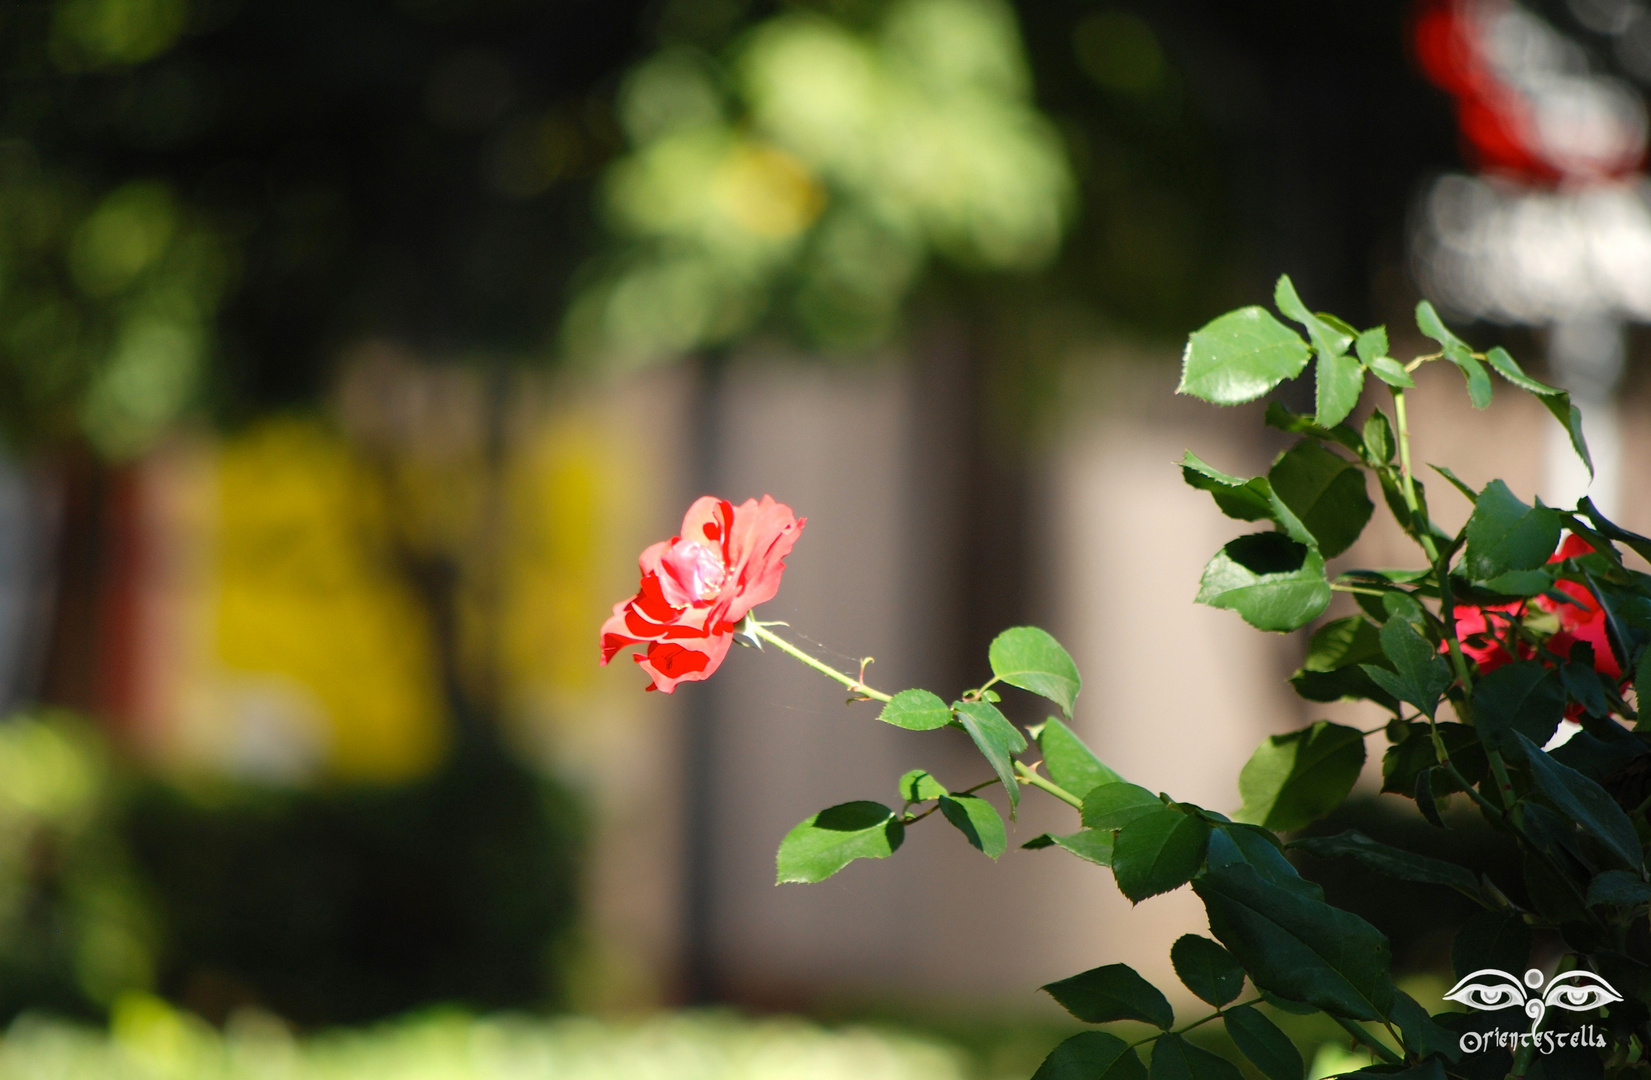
1217,1014
1422,528
1418,527
1360,590
1026,775
761,631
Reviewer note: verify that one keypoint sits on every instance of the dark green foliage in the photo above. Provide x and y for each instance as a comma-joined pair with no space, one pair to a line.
1113,992
1207,969
350,905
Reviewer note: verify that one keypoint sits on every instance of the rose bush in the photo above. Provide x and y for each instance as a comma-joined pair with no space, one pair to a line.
698,585
1508,626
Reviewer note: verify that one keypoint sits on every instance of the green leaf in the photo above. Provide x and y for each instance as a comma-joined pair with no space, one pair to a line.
835,837
1426,802
1520,583
1331,669
918,786
1584,802
1207,969
1378,437
1158,852
916,710
1174,1058
1297,946
1418,1032
1456,482
1339,378
1523,697
1556,400
1091,845
1285,1005
1114,992
1479,388
1583,686
1371,344
1328,338
1031,659
1269,579
1326,492
1112,806
1240,356
1491,939
996,739
1394,862
1091,1055
977,820
1391,372
1246,500
1071,764
1295,779
1340,381
1414,754
1618,888
1504,534
1260,1040
1611,531
1259,849
1420,675
1457,352
1294,423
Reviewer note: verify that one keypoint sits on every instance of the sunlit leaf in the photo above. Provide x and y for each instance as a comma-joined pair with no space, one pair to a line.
1505,534
1295,779
996,739
825,843
1157,852
1270,580
1327,492
916,710
1032,659
1240,356
977,820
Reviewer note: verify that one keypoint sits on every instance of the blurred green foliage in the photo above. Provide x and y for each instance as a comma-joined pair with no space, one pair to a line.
76,927
325,906
801,178
150,1041
108,302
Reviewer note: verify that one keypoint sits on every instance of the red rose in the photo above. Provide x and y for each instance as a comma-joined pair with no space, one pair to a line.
1583,620
1483,631
696,587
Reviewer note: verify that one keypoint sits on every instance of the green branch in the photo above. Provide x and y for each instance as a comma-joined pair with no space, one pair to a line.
760,631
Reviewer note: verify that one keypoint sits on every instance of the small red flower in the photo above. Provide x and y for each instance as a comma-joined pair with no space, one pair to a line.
696,587
1484,631
1583,620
